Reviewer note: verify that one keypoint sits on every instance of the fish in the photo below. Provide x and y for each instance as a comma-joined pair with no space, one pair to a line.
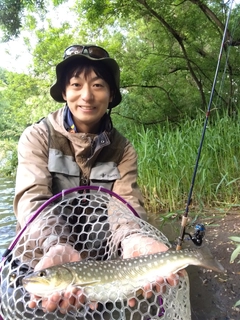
114,280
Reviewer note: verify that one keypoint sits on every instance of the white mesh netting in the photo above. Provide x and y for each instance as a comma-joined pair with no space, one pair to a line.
94,223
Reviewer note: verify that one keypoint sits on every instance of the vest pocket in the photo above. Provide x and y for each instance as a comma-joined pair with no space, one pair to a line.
60,163
104,174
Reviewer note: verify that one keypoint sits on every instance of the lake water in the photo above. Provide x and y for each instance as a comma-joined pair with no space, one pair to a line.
7,218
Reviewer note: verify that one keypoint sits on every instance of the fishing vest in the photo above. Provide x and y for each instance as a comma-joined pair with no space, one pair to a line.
69,170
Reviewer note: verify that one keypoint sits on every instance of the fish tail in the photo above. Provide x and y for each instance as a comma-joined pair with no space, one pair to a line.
208,261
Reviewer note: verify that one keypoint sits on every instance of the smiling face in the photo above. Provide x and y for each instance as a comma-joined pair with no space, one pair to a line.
88,96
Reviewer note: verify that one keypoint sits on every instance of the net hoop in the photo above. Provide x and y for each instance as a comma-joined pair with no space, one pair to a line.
52,200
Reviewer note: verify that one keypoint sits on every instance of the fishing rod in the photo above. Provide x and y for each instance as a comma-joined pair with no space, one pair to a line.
200,229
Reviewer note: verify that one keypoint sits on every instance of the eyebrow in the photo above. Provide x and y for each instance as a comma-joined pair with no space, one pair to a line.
92,79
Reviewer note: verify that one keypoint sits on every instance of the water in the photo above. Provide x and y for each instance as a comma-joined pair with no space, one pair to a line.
7,218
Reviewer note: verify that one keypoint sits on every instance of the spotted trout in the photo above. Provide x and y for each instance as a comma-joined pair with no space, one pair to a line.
113,280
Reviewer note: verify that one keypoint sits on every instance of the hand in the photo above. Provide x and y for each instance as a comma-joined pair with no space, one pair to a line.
159,286
137,245
70,299
58,254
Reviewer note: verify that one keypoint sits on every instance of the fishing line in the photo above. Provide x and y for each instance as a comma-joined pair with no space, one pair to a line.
200,234
234,29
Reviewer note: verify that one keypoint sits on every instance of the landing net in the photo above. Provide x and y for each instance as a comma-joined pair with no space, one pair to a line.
94,222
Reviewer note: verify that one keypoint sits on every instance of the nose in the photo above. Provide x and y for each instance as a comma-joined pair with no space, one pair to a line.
86,92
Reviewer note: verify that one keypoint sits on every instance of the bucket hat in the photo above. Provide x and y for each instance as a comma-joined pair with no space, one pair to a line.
81,54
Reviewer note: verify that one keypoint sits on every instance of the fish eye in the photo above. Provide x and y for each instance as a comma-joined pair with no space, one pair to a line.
42,274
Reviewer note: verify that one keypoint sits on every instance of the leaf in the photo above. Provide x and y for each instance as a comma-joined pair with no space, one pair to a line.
237,303
235,254
235,239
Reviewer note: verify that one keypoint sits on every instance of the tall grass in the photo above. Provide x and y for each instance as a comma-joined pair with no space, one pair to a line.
167,157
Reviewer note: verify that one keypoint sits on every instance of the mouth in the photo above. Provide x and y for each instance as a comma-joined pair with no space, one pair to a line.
86,108
27,281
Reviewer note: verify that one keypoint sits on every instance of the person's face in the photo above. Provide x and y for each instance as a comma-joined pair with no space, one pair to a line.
88,99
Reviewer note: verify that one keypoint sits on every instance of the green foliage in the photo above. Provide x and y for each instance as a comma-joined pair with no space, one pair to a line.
10,20
236,252
12,14
19,94
167,156
234,255
8,157
167,56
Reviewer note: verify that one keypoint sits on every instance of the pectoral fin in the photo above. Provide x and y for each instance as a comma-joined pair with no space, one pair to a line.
85,284
181,268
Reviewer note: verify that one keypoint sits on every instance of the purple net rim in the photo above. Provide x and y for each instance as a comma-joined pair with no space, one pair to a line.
54,198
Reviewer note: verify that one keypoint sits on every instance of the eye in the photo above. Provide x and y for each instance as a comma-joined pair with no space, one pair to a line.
75,84
98,84
42,274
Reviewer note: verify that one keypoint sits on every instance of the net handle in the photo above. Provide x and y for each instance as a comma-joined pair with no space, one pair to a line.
54,198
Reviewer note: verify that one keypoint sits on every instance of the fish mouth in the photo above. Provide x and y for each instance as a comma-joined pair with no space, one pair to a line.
27,281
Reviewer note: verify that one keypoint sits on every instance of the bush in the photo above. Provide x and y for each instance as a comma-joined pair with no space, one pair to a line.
8,157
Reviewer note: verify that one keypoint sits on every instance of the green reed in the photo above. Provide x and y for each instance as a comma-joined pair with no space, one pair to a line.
167,157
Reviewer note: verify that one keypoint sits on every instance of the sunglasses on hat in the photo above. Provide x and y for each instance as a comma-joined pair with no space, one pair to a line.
92,51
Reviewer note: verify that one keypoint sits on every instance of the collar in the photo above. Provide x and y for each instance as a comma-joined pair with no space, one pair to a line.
106,122
68,121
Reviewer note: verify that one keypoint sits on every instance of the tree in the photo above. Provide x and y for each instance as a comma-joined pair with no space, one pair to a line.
176,47
167,53
12,14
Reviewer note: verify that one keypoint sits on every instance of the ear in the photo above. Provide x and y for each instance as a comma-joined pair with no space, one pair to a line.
64,96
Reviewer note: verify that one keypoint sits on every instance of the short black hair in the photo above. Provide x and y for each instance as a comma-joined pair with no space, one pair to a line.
74,69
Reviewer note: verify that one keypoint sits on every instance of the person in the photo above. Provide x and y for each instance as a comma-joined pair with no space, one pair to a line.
73,147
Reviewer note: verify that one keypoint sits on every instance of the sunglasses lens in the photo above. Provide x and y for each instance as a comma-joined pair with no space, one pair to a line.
72,50
92,51
97,52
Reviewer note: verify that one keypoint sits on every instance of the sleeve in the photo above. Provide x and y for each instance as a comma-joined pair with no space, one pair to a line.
124,225
34,187
127,186
33,180
133,235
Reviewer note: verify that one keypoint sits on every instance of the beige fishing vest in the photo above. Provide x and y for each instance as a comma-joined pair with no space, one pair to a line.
70,170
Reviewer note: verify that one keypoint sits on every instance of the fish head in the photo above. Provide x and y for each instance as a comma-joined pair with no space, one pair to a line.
45,282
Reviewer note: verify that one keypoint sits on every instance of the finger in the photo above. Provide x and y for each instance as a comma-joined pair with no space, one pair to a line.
67,303
93,305
77,300
80,299
33,301
51,304
160,285
182,273
131,302
72,300
32,304
173,280
147,291
161,288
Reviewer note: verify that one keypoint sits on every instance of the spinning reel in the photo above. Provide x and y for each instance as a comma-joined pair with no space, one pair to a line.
197,237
